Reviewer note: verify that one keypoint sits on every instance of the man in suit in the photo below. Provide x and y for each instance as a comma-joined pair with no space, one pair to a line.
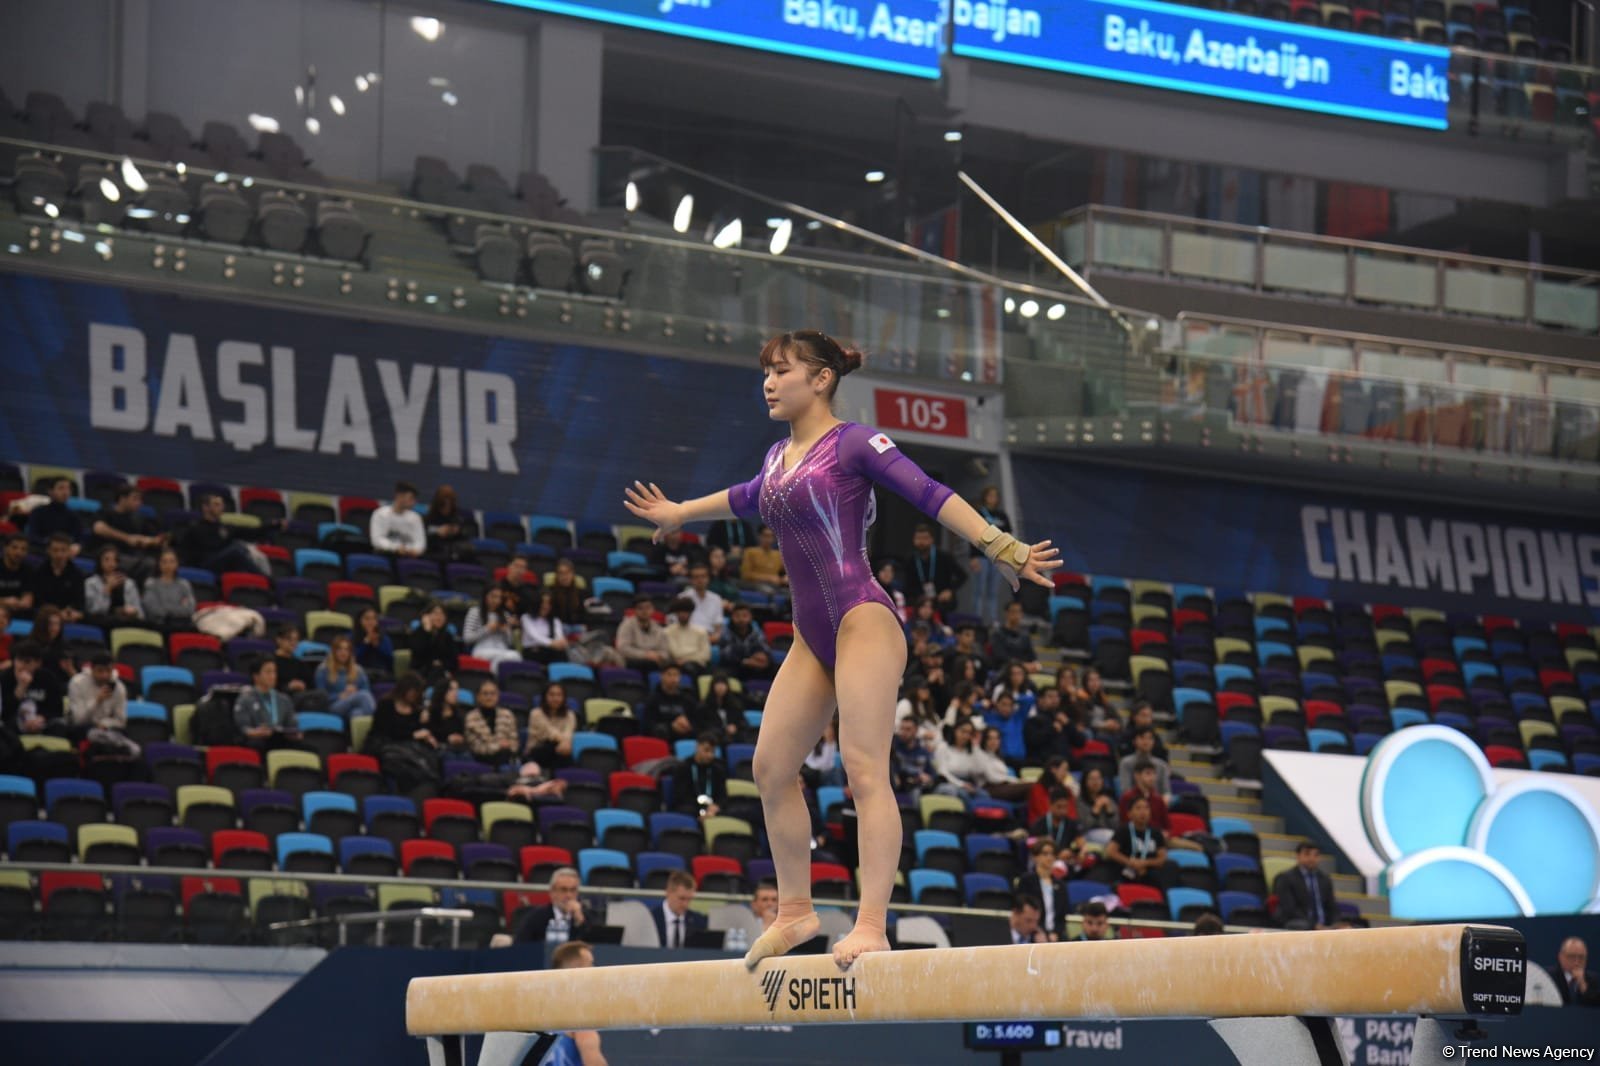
675,921
1578,987
1305,893
1040,883
1025,921
580,919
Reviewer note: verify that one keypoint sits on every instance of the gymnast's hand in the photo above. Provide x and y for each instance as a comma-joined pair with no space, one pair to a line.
652,505
1041,560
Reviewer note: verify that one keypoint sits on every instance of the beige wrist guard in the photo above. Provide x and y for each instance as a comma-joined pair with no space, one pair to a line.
1003,549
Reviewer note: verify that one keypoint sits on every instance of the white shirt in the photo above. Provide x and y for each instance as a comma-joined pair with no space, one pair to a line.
541,632
395,532
707,610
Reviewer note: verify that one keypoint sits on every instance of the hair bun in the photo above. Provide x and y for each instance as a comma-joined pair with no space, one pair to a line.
852,360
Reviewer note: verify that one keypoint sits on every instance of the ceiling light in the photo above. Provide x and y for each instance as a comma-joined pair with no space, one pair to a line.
450,98
52,210
780,236
438,82
1029,308
263,123
336,103
813,225
952,136
299,95
875,176
730,235
313,125
427,28
630,197
74,236
109,190
684,214
1056,312
182,168
362,84
131,176
1011,304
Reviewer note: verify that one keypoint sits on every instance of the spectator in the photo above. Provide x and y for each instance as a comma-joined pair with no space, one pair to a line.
532,785
521,587
544,636
1071,689
584,1049
674,553
939,689
1142,714
568,596
1007,721
97,703
53,517
395,528
987,583
887,572
764,903
1056,775
676,921
49,632
491,728
700,785
724,576
341,679
168,599
1060,828
1025,912
109,598
1207,924
1139,848
210,545
374,649
59,583
398,717
1016,682
671,710
490,630
16,576
133,535
731,536
1010,641
965,649
964,707
31,698
916,702
1040,883
722,711
707,606
1051,733
445,532
640,641
1144,787
911,765
565,909
967,771
932,572
434,649
687,643
1095,924
550,729
1305,893
293,675
761,565
927,613
1143,744
444,717
264,714
1095,701
1578,986
744,646
1097,807
823,766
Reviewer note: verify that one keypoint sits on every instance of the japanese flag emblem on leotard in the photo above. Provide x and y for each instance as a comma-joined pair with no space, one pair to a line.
881,443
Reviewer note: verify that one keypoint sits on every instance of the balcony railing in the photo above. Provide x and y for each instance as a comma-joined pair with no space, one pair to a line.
1328,268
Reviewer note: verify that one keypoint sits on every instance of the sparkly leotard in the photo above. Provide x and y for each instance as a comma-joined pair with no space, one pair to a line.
821,510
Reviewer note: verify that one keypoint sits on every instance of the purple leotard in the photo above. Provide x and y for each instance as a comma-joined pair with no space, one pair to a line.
820,510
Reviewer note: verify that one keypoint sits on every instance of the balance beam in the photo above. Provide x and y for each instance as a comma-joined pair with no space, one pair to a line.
1451,970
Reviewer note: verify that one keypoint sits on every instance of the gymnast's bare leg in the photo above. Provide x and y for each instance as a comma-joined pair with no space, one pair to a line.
798,708
871,660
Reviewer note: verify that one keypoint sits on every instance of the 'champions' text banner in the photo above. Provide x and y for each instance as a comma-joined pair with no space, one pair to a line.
1213,53
899,36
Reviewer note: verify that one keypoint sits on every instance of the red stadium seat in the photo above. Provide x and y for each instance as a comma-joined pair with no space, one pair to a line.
701,865
1181,824
52,881
1130,894
234,581
434,809
623,780
1188,616
226,840
413,851
342,763
636,750
542,855
217,886
222,754
1492,623
1502,755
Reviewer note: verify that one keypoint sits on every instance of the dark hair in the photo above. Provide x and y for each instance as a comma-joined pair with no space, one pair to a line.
1143,762
59,538
766,882
1059,793
680,879
444,502
285,630
682,603
1093,909
410,683
923,527
100,658
1305,846
125,490
670,666
814,350
14,537
699,566
707,737
1207,924
401,487
1040,844
568,953
59,479
1026,899
1143,730
637,600
260,663
27,649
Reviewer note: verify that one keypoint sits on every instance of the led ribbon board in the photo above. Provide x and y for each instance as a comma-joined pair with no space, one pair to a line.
899,36
1211,53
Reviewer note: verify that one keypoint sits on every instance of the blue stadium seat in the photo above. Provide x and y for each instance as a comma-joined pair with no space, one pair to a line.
922,880
1401,717
1182,857
925,839
316,557
974,883
1180,898
1229,902
289,843
351,847
571,672
1546,759
591,859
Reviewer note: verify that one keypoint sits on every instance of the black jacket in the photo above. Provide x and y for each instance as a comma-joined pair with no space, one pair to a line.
693,922
1590,998
691,780
536,922
1028,885
1294,902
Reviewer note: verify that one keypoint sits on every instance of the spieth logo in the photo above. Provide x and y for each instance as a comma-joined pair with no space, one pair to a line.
1461,844
771,985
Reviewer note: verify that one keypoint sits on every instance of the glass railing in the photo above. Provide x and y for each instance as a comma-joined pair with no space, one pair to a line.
1499,413
1299,264
921,316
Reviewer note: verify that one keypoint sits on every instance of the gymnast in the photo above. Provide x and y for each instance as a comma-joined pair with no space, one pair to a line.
815,490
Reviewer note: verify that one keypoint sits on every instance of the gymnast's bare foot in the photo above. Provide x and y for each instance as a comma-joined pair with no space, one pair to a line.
859,941
782,937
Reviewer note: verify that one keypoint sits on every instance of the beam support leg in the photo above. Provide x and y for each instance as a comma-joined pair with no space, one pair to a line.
1282,1041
